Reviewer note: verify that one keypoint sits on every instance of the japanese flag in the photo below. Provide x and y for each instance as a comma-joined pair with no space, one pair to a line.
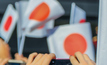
8,23
78,15
65,40
41,11
37,33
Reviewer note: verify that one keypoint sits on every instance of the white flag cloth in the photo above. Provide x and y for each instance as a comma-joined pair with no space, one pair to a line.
50,24
41,12
41,31
77,15
8,23
102,35
65,40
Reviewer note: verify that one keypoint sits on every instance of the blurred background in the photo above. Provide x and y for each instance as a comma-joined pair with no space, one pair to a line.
40,44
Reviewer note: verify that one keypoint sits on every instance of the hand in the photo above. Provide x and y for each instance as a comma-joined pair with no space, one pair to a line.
4,50
83,59
40,59
20,57
3,61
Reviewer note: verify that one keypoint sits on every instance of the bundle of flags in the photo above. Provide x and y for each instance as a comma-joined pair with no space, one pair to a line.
35,18
77,15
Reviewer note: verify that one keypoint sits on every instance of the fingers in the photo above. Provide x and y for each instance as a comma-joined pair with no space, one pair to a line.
25,59
89,61
43,59
20,57
3,61
17,56
93,62
86,57
38,57
48,59
80,56
31,57
73,60
0,60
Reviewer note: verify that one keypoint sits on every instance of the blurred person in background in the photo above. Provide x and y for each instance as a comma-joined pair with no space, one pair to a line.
95,37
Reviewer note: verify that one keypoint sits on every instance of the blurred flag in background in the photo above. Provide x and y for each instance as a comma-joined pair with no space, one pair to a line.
8,22
41,12
40,32
77,15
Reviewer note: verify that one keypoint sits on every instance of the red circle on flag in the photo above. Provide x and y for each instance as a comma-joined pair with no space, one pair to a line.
82,21
8,23
75,42
40,13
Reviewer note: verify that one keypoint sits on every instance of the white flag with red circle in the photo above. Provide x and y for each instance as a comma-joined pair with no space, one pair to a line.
37,33
41,12
65,40
78,15
8,22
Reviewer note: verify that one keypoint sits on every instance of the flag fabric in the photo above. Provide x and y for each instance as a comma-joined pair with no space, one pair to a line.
41,12
50,24
102,29
8,23
65,40
41,31
77,15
